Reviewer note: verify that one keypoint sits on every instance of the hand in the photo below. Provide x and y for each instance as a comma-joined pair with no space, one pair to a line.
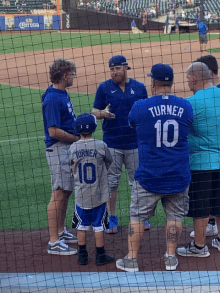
108,114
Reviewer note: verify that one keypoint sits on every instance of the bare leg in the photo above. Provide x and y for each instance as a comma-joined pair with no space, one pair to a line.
63,210
173,232
56,212
217,219
81,235
200,225
99,239
135,235
112,202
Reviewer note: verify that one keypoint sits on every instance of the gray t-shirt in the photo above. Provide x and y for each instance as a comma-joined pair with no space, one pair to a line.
89,160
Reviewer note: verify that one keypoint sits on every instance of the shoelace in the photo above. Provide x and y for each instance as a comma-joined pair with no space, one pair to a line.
62,243
66,232
188,245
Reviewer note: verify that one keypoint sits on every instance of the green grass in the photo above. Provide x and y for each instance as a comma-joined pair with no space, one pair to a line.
214,50
24,173
32,41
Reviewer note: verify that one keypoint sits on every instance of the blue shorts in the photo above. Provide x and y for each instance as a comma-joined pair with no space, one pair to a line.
96,217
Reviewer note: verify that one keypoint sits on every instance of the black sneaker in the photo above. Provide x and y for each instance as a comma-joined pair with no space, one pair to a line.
83,257
102,259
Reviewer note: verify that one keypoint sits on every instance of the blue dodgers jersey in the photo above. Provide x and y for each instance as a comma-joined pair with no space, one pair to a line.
57,111
218,86
116,132
202,27
162,124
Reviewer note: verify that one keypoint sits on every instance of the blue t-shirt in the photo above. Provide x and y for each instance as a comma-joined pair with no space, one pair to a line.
133,24
204,138
57,111
162,124
202,27
116,132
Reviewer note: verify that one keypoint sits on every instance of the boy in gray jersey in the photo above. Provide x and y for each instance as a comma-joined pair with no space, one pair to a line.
90,160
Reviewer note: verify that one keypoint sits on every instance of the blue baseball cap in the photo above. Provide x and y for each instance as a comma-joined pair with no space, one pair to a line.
161,71
85,123
118,60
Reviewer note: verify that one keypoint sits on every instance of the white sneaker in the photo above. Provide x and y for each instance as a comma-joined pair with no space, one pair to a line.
216,244
191,250
210,230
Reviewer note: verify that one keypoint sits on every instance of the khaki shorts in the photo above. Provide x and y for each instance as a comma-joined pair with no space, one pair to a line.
144,203
127,157
59,163
203,39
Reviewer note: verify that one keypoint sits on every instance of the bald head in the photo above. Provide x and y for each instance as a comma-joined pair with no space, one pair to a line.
200,71
199,76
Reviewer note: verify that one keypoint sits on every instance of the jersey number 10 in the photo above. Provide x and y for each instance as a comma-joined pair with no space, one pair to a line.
165,127
83,173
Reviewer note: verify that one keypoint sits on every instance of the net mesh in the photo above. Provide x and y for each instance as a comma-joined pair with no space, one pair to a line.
34,34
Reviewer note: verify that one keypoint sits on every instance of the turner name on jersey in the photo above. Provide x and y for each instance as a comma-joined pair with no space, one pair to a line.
84,152
166,110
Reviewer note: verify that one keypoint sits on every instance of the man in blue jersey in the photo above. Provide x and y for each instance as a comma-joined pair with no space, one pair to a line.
162,123
204,144
166,25
59,123
202,28
212,64
177,25
113,102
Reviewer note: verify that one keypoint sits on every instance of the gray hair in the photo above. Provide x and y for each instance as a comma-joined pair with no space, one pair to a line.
200,71
60,67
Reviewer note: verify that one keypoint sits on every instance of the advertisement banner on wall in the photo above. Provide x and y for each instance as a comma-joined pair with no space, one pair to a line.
48,22
29,22
56,22
2,23
9,23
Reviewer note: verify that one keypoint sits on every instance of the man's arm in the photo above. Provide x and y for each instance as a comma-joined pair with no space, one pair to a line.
62,135
101,114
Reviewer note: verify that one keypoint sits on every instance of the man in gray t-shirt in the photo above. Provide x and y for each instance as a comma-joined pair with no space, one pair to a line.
90,160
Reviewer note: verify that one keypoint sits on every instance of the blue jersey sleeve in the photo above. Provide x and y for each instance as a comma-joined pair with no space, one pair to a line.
99,102
52,112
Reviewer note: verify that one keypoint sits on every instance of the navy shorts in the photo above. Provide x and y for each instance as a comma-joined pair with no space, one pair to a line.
97,217
204,194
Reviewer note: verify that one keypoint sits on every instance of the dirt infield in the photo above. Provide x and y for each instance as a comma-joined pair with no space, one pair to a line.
30,69
26,251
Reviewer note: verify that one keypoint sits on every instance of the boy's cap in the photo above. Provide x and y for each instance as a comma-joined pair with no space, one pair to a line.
118,60
161,71
85,123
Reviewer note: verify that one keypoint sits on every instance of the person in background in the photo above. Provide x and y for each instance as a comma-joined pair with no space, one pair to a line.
203,40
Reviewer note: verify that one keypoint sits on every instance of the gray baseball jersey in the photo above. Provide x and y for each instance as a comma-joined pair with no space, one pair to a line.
89,160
